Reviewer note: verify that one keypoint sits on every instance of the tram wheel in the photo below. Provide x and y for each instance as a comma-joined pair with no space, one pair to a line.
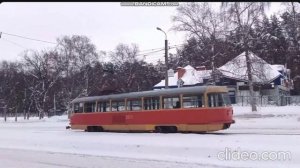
159,129
99,129
94,129
90,129
165,129
172,129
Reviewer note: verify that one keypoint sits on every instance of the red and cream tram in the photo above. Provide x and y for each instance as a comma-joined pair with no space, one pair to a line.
188,109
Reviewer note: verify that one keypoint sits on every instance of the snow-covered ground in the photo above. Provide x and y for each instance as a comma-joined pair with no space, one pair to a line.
46,143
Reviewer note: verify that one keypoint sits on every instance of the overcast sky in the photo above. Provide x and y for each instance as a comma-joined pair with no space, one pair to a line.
106,23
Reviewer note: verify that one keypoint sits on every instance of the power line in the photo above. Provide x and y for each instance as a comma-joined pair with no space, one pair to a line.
155,57
170,47
158,49
152,49
28,38
149,53
146,54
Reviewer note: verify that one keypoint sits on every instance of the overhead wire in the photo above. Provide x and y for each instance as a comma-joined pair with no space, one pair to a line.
173,47
162,49
143,54
148,52
44,41
152,49
28,38
157,57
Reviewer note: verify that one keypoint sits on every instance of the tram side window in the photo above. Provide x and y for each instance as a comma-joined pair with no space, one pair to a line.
76,108
151,103
103,106
193,101
134,105
215,100
118,105
171,102
90,107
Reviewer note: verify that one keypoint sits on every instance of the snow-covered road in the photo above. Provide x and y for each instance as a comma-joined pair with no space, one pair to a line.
47,143
11,158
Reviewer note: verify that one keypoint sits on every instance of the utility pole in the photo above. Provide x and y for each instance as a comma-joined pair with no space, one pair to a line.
166,59
167,64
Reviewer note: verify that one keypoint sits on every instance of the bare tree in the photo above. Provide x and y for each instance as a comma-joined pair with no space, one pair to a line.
45,72
12,86
240,18
124,53
78,54
125,59
201,21
198,19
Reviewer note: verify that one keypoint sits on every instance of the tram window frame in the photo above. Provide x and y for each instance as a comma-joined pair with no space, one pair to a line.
151,103
89,107
118,105
226,99
81,105
216,100
76,108
171,103
195,101
130,104
103,106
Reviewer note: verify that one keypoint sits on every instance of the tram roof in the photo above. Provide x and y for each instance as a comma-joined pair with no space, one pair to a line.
151,93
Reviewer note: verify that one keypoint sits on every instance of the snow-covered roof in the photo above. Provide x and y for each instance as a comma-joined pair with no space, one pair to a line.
188,67
237,69
278,67
281,68
190,77
234,69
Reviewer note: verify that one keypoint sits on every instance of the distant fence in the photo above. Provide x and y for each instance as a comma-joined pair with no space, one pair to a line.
266,100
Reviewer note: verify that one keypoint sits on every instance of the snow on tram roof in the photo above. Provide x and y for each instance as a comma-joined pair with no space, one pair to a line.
151,93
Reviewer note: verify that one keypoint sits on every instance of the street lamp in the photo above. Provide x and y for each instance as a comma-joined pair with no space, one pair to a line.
166,58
